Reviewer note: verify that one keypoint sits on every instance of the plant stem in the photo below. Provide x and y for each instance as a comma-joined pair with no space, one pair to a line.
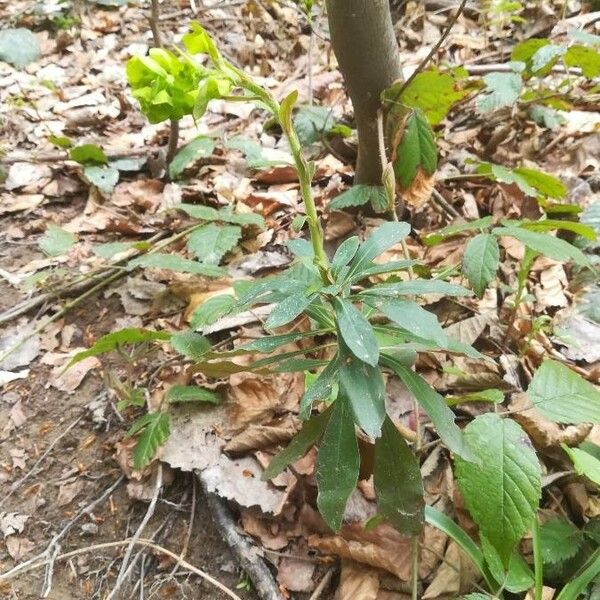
537,560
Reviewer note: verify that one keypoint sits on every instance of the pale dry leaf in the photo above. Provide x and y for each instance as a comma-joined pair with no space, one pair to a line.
547,593
338,225
12,523
447,578
578,336
18,547
357,582
70,379
296,575
17,415
550,291
26,352
468,330
141,193
420,189
21,174
68,491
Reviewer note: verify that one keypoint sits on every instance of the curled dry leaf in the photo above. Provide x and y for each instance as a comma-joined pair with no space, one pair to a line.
256,436
69,380
271,535
420,189
543,432
357,582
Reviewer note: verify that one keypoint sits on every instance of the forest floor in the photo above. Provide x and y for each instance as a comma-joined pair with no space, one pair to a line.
65,460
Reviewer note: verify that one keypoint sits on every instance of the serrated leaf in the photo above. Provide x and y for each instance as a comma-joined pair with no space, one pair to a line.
359,195
112,341
311,122
211,242
363,386
417,287
56,241
397,480
382,238
562,395
416,150
297,448
356,331
192,393
88,154
104,178
587,59
19,47
585,464
585,575
212,310
502,89
207,213
190,344
173,262
201,147
480,261
560,540
155,432
287,310
321,388
435,407
434,93
530,181
545,244
445,232
509,474
337,464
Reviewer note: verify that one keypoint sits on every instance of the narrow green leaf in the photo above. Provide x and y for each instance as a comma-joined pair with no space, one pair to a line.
585,464
190,344
338,462
297,448
364,387
491,395
173,262
389,267
192,393
211,242
56,241
417,287
545,244
155,432
211,311
88,154
480,261
563,396
398,483
287,310
272,342
201,147
359,195
344,254
435,407
321,388
445,232
551,224
356,331
509,473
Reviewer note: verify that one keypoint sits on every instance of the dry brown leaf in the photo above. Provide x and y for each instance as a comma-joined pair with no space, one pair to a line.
420,189
256,437
550,292
357,582
68,492
142,193
70,379
260,526
338,225
456,574
547,594
19,547
296,575
468,330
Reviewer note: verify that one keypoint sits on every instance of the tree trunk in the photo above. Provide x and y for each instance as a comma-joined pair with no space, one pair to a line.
364,43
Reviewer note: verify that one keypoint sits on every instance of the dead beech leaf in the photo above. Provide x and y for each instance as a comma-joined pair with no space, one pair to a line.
69,380
447,578
357,582
543,432
141,193
420,189
468,330
550,291
256,436
19,547
262,527
68,492
12,523
338,225
296,575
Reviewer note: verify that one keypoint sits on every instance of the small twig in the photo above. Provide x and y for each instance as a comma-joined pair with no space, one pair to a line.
435,48
25,567
322,585
441,201
123,571
154,18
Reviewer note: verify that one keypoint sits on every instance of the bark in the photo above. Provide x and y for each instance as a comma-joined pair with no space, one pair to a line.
364,43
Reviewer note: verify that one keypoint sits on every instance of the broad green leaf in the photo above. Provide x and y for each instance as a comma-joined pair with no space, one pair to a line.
211,242
198,41
210,88
480,261
409,315
584,463
434,93
56,241
441,234
524,51
356,331
176,263
434,405
322,388
201,147
192,393
359,195
416,150
312,122
546,116
60,141
155,432
287,310
545,244
502,491
560,540
212,310
112,341
584,37
562,395
502,89
417,287
516,578
344,254
298,447
398,483
104,178
539,55
382,238
19,47
491,395
88,154
254,152
363,386
207,213
587,59
338,462
190,344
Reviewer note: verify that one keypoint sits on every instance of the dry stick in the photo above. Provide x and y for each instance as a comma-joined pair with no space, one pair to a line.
322,584
245,553
441,201
26,567
123,572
